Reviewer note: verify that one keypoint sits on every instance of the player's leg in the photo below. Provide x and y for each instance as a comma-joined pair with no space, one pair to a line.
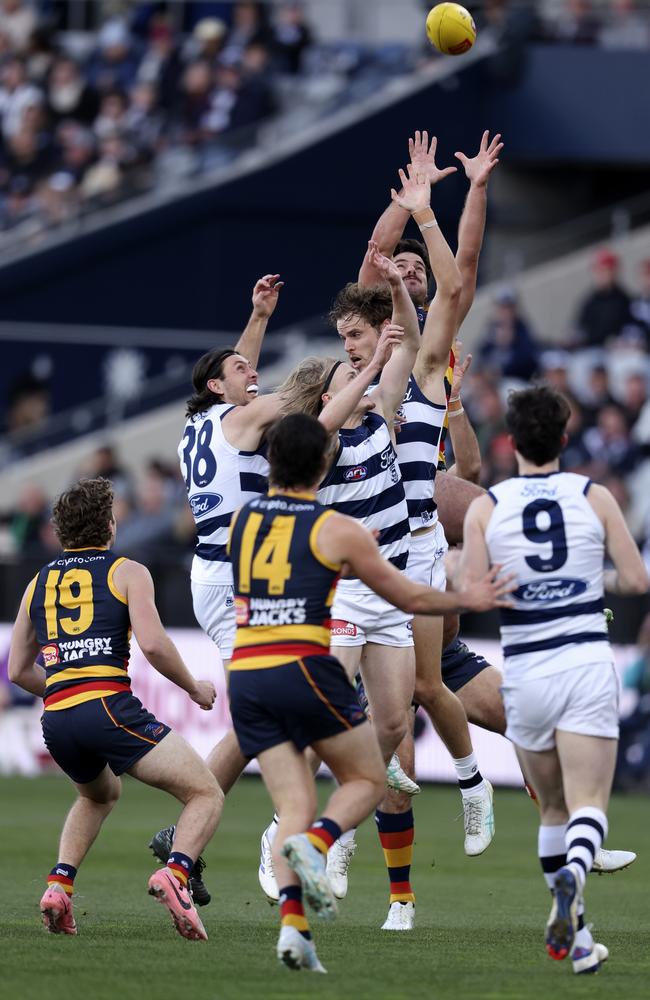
396,830
214,611
176,768
290,784
388,674
482,701
448,718
83,823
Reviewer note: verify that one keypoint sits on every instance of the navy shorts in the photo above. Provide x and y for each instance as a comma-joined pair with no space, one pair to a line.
460,664
300,702
115,730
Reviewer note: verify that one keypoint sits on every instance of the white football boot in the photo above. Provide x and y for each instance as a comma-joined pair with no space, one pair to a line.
608,862
478,813
398,779
401,917
338,863
296,952
266,871
309,865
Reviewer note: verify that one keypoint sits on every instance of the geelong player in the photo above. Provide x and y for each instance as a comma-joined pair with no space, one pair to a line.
552,529
78,612
286,691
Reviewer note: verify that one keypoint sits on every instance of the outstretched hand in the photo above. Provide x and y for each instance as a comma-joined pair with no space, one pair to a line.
383,266
478,168
460,368
423,158
415,195
265,295
490,592
391,335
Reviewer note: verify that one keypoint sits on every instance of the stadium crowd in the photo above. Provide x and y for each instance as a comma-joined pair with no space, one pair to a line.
150,98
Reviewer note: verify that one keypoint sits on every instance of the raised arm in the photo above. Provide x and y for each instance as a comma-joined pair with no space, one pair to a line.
338,409
265,299
629,575
23,669
345,541
467,454
396,372
392,223
440,326
472,222
134,581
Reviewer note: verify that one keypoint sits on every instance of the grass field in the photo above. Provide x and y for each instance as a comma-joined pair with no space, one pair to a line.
479,926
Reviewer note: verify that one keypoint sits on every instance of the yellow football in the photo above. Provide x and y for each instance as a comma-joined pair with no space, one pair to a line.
450,29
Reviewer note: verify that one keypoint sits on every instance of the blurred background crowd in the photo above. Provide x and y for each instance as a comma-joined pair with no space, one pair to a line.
147,94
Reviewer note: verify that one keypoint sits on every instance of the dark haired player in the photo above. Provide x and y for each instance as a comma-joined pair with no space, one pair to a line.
78,613
286,691
552,529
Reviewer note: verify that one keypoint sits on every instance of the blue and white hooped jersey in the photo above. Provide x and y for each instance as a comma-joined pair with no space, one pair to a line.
544,530
365,483
219,480
418,453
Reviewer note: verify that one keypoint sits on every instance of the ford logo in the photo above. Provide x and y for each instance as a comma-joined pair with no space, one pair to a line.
355,474
545,591
205,503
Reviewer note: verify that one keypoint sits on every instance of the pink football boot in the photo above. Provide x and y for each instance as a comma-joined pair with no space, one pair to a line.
164,885
56,907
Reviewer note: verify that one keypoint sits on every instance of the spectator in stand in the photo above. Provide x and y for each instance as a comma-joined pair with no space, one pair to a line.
486,410
577,24
76,146
508,347
41,53
28,523
111,119
554,366
595,394
634,396
69,95
610,447
28,404
17,21
209,36
291,36
626,27
16,95
24,162
575,457
250,26
606,309
161,67
195,99
104,462
152,526
114,64
640,304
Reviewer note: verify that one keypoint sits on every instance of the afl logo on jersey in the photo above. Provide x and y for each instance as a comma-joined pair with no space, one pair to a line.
355,474
545,591
205,503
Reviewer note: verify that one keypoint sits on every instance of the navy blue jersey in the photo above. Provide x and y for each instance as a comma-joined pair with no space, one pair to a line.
283,585
82,625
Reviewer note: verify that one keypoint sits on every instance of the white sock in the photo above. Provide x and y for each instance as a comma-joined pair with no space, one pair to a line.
551,850
272,828
470,779
348,836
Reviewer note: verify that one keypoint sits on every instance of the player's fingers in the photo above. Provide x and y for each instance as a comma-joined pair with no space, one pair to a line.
433,145
466,363
494,142
484,139
402,176
394,195
448,170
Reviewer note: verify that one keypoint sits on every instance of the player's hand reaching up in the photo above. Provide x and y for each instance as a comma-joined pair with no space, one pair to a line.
460,368
415,195
383,267
265,295
478,168
204,695
423,158
490,592
391,335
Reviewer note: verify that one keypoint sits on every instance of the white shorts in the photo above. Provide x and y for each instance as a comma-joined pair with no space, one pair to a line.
426,563
214,610
361,616
580,700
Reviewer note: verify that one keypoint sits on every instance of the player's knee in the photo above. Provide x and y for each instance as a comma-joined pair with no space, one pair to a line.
392,728
428,692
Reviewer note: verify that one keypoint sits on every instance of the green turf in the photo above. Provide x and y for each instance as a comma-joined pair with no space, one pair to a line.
479,921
